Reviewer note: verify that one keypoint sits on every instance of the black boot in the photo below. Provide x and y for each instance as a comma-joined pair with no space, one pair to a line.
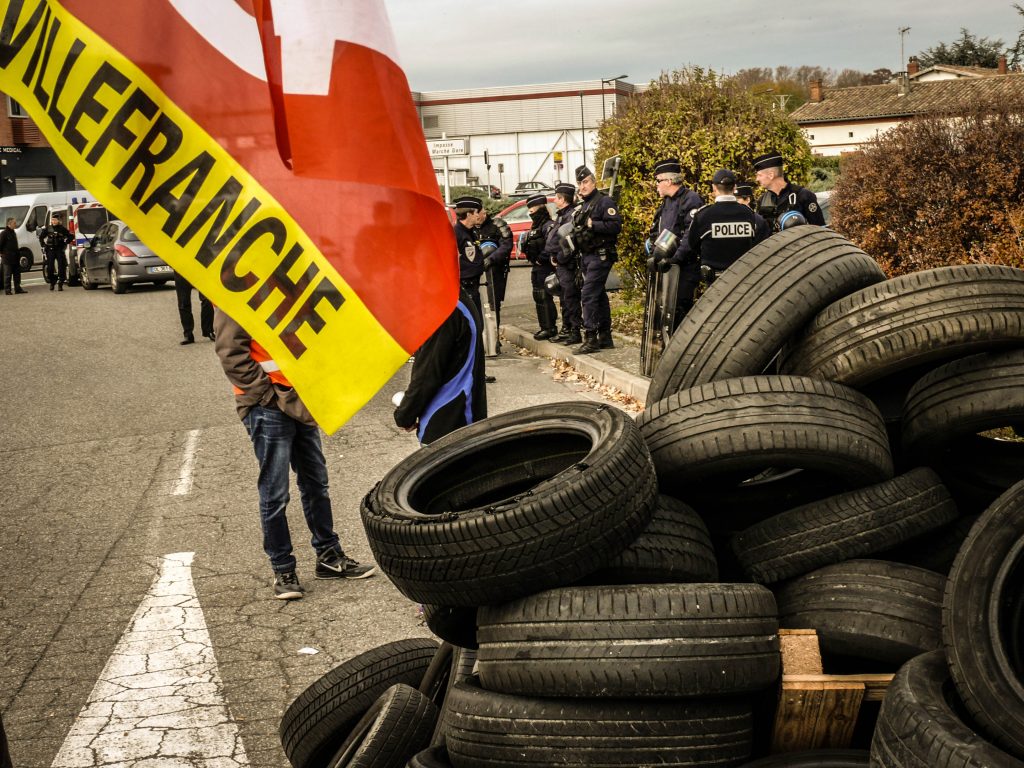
573,337
544,333
562,335
591,343
604,339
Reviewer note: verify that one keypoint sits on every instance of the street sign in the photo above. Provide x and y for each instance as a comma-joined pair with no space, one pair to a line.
558,158
487,159
501,167
446,147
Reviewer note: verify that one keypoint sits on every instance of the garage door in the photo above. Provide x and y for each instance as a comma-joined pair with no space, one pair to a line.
27,185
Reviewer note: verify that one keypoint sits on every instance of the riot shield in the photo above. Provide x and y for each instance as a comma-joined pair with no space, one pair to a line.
490,330
659,316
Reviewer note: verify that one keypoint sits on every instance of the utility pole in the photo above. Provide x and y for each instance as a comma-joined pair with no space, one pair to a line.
608,80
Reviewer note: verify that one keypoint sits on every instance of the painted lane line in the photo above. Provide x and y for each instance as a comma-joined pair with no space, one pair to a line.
160,698
183,485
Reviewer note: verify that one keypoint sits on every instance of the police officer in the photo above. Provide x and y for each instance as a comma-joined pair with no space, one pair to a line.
596,227
535,250
678,204
781,195
745,193
725,230
54,239
566,263
496,264
468,213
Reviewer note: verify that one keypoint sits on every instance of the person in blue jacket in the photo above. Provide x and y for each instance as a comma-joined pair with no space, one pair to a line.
446,390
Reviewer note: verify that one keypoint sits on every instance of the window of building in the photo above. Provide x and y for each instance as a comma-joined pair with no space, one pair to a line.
851,134
14,109
812,137
430,121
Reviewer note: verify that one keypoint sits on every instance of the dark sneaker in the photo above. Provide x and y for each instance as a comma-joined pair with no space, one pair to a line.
287,587
335,564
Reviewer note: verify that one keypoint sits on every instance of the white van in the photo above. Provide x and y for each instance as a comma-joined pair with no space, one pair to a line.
33,211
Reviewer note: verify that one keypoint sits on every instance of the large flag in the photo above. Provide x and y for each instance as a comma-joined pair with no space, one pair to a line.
269,151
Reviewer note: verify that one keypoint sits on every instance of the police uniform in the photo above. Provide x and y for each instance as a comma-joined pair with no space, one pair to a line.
495,230
791,197
566,268
535,251
471,259
597,223
725,230
676,214
54,239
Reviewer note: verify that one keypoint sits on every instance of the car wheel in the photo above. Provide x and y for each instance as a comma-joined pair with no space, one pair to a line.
87,283
25,259
116,285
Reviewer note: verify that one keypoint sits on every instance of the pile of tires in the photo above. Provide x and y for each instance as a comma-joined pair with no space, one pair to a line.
609,591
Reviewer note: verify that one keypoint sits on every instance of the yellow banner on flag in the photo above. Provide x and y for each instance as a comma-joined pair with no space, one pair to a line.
191,202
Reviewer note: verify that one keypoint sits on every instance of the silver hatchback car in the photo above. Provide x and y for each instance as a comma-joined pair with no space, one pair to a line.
118,258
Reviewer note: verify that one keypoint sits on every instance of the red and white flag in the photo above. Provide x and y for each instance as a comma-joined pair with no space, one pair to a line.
268,150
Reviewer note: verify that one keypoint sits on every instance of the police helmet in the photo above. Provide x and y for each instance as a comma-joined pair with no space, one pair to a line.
791,219
552,286
487,247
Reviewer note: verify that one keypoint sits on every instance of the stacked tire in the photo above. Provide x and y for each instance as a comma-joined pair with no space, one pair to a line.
609,592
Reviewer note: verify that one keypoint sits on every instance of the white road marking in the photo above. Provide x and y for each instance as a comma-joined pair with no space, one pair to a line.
183,485
159,700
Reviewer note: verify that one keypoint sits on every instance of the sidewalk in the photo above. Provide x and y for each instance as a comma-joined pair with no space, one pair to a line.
619,367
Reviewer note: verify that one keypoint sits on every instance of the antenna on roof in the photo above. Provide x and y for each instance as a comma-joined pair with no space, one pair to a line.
903,62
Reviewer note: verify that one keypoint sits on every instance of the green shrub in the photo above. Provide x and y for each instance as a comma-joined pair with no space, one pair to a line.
708,122
491,204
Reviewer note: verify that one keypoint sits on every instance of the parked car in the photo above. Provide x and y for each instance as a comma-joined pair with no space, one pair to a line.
518,219
118,258
494,192
528,188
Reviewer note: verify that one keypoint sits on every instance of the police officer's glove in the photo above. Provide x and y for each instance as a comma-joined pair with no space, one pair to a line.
488,263
664,265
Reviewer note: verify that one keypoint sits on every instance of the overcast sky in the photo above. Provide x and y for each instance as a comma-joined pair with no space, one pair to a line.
445,44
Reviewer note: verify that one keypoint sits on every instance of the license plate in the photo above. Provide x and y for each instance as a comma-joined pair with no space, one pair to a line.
157,270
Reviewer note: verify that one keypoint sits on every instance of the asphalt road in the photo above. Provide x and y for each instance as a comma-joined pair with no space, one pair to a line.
104,419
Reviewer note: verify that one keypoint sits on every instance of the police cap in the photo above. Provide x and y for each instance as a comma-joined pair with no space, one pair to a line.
536,200
566,189
770,159
668,165
468,201
583,172
724,177
744,189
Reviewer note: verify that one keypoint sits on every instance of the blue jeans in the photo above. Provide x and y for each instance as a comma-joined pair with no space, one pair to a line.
280,441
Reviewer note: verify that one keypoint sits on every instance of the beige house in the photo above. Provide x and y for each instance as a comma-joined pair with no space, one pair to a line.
838,120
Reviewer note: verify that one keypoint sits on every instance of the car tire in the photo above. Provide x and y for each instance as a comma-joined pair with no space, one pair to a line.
463,664
434,757
983,621
396,727
524,501
503,731
868,609
87,282
961,399
935,550
709,441
319,719
978,470
26,259
843,527
815,758
918,725
674,548
759,302
632,642
117,285
452,624
915,320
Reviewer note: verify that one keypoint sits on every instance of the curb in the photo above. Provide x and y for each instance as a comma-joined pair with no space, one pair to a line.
604,373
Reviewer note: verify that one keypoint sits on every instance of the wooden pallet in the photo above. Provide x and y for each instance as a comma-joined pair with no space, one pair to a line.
817,710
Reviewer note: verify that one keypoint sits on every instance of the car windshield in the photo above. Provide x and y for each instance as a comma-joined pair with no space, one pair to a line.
91,219
16,212
517,214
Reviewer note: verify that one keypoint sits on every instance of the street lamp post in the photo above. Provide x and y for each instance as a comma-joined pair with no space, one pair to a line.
608,80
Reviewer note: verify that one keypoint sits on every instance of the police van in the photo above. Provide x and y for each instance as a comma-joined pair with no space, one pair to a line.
32,211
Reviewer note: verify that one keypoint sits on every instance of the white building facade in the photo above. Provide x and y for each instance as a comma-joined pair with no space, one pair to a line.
528,132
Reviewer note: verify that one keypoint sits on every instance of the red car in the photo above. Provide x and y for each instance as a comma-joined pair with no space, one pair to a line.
518,219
